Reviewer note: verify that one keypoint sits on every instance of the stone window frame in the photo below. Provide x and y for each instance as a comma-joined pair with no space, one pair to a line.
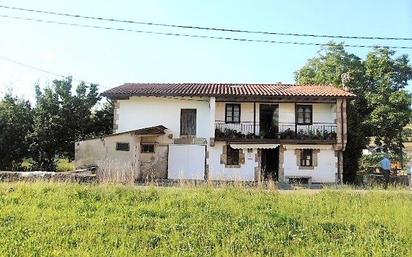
315,153
223,157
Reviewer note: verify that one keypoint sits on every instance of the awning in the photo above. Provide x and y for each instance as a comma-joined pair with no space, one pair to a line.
314,147
254,146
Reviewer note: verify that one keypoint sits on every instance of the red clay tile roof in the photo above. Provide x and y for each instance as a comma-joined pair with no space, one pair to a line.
223,89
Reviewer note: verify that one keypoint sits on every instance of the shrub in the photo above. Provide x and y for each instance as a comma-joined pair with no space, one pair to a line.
28,164
64,165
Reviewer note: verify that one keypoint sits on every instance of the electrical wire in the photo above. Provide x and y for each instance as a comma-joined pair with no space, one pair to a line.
41,70
207,28
197,35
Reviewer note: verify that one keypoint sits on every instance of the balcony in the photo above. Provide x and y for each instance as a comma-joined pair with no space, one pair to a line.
284,131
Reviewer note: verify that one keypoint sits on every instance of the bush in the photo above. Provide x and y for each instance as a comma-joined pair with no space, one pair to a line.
64,165
28,164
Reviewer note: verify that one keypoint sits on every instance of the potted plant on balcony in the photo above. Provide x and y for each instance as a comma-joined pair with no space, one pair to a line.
250,135
318,135
219,133
300,134
262,134
331,135
287,134
230,133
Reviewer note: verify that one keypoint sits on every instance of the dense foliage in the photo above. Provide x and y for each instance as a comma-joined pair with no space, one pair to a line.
79,220
382,107
34,138
16,118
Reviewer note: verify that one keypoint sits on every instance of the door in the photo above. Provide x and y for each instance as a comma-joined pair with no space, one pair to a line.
270,164
186,162
269,120
188,122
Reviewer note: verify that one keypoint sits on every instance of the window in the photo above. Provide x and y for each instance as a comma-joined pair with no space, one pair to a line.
306,158
304,114
232,156
232,114
188,122
122,147
147,148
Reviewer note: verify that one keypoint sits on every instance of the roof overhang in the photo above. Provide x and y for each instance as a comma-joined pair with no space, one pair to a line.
222,90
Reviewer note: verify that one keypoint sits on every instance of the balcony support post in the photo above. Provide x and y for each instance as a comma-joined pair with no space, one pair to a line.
254,118
212,118
296,122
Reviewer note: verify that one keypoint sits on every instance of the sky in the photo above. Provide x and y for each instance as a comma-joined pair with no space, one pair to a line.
112,58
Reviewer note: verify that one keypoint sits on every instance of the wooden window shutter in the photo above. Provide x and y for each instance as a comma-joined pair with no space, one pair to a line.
188,122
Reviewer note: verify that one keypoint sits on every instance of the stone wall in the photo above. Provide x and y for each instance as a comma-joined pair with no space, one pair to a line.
30,176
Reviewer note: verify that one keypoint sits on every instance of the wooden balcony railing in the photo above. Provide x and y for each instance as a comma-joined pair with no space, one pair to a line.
249,130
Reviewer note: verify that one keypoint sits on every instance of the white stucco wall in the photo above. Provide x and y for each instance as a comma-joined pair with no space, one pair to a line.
322,112
141,112
218,171
326,170
287,113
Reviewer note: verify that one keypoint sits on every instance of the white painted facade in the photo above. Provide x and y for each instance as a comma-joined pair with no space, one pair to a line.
324,172
218,171
142,112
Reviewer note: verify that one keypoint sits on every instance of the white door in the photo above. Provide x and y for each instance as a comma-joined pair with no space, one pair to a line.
186,162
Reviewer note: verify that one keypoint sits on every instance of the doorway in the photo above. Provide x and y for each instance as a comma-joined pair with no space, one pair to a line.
269,120
270,164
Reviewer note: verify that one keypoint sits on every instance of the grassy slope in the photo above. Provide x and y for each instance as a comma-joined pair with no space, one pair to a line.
78,220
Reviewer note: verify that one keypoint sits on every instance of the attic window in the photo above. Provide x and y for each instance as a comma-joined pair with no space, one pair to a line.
122,147
147,148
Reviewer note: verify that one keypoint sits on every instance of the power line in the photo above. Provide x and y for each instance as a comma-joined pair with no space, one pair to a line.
207,28
196,35
40,69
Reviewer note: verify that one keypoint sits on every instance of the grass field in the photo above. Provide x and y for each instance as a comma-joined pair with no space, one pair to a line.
42,219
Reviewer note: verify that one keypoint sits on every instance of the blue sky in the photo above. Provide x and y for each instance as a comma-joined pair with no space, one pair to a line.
111,58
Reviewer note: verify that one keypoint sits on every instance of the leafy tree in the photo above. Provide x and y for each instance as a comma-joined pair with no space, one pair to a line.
388,101
62,117
103,119
15,124
331,65
382,107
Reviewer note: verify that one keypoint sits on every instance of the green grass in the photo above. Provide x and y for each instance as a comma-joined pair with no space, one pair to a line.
42,219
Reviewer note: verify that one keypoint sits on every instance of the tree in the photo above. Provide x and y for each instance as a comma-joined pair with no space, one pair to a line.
15,124
388,101
103,119
332,64
61,118
382,107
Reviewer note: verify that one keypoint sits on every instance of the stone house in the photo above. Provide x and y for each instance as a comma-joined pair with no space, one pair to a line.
235,132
